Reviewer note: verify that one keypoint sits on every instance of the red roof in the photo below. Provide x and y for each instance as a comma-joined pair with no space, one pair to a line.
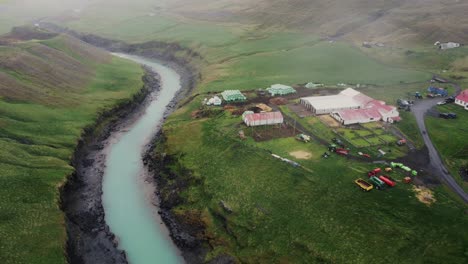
263,116
380,106
463,96
362,99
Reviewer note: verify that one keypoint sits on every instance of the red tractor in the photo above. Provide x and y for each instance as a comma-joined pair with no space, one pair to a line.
342,151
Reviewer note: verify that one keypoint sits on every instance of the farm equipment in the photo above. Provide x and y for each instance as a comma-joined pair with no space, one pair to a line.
374,172
437,91
303,137
387,181
342,151
403,167
364,155
379,184
338,142
449,100
407,180
401,142
241,134
448,115
365,186
418,95
326,155
339,151
396,165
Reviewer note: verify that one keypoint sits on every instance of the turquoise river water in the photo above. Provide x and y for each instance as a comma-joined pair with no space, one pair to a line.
129,212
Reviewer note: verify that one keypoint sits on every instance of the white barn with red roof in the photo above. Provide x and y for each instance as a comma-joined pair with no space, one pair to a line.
259,119
462,99
352,107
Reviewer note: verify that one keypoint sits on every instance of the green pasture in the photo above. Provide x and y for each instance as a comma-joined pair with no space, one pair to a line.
283,213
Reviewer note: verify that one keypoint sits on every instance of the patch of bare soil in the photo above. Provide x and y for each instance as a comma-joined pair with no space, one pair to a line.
264,133
300,154
424,195
329,121
278,101
300,110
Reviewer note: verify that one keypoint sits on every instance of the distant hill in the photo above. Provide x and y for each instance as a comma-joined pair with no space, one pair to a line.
36,71
389,21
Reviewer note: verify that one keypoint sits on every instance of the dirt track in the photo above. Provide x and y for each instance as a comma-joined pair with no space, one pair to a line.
436,165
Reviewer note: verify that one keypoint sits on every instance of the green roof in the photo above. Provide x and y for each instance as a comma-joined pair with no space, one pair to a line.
233,95
279,89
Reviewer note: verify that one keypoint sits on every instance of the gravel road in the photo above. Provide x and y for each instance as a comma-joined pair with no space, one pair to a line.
419,109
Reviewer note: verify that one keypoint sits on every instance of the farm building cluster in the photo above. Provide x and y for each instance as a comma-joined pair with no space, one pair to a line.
351,107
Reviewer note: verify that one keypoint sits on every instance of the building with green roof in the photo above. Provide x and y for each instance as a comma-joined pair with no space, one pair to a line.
233,96
280,89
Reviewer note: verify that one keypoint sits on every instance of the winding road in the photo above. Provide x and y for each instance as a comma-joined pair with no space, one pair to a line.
419,110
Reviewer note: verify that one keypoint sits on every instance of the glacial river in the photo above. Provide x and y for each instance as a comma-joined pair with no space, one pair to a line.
129,213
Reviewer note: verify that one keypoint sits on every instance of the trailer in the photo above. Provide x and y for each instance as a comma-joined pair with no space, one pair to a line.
365,186
303,137
401,142
379,184
338,142
342,151
387,181
374,172
406,168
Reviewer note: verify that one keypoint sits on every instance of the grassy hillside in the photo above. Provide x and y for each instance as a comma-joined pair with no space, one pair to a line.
50,90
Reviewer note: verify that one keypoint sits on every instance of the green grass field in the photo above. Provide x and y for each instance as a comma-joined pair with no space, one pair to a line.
449,137
286,214
36,144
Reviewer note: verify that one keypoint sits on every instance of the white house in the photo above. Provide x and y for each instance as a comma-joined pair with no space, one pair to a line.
462,99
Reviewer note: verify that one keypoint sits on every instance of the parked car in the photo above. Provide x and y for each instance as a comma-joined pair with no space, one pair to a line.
441,103
444,115
448,115
449,100
452,115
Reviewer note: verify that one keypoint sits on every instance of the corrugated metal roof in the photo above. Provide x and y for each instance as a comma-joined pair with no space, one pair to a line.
263,116
359,114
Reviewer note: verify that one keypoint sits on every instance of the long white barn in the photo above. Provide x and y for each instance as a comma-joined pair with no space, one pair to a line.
351,107
346,99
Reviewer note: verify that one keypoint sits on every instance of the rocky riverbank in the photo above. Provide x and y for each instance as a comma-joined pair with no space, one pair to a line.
89,239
